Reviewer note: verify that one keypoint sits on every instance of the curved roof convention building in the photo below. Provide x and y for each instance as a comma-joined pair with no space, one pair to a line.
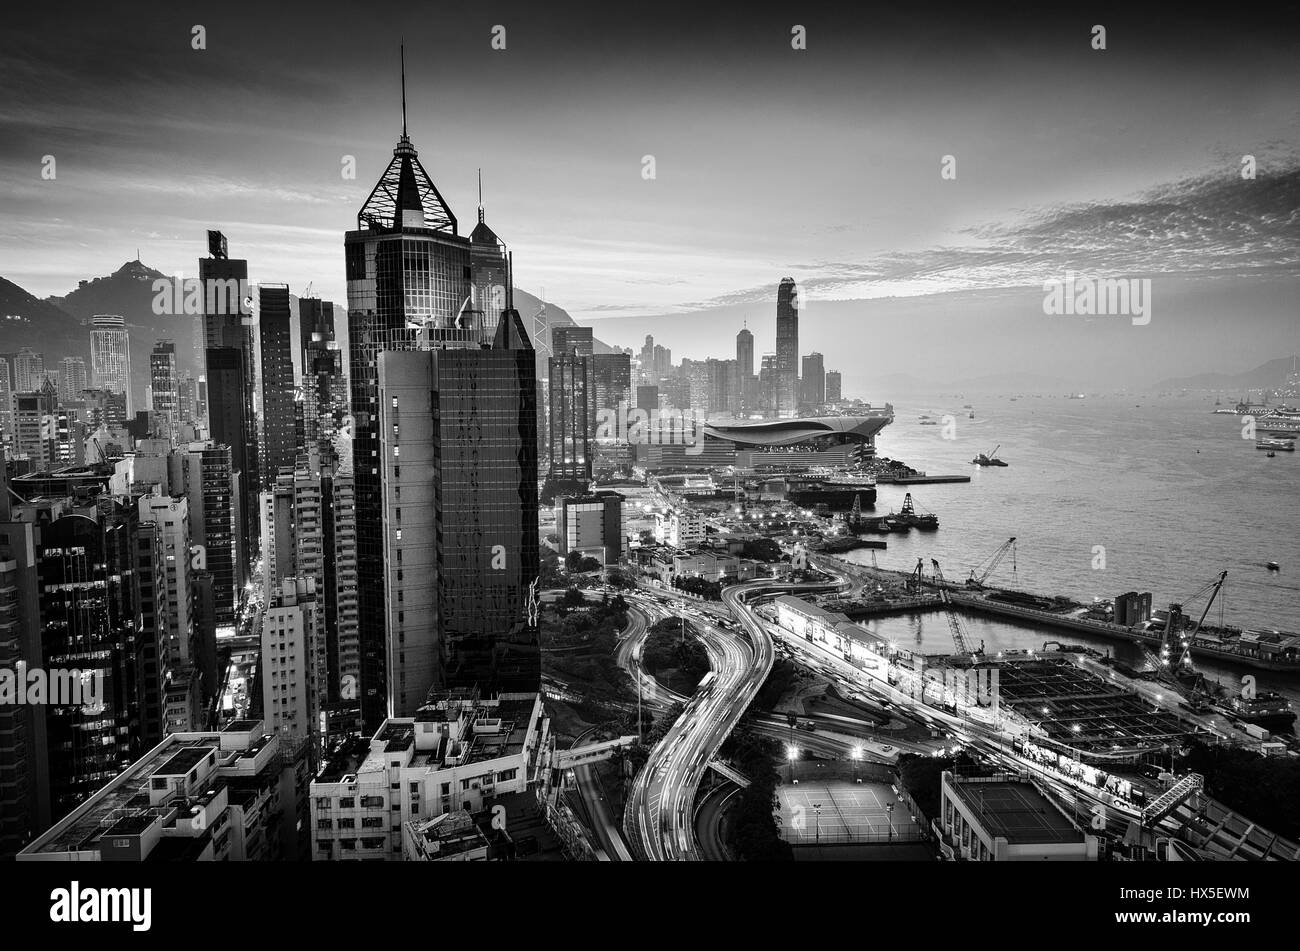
801,431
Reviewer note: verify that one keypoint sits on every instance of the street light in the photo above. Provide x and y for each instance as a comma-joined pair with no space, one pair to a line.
889,811
792,754
855,754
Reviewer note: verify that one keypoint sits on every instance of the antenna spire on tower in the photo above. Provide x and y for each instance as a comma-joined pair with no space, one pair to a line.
402,50
480,196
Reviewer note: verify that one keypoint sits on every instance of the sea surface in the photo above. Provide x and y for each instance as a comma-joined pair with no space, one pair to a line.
1104,495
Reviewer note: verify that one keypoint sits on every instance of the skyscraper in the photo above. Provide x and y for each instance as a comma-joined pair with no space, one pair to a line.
279,444
767,385
202,471
569,426
6,403
229,371
459,449
24,752
110,356
745,352
834,386
72,379
409,282
163,382
29,370
571,339
611,379
489,272
787,348
813,380
324,388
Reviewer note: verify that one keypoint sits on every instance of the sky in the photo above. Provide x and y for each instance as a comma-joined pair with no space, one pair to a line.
823,164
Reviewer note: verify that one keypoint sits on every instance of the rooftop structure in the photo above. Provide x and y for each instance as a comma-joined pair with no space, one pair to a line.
195,796
1000,818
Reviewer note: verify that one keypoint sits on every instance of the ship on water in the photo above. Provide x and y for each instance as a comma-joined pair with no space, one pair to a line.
989,459
1270,710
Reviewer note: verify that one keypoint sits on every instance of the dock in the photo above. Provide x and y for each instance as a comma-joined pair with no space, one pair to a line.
886,478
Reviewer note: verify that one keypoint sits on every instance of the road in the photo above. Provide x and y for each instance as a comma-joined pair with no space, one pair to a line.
659,819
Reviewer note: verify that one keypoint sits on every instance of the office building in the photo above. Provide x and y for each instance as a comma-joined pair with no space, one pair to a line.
787,349
490,273
409,276
572,339
834,387
647,398
813,381
203,473
163,384
278,431
24,749
459,446
611,385
110,356
591,525
229,370
569,427
324,389
72,379
29,370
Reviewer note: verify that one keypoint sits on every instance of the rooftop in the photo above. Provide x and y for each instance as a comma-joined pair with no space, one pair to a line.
1016,811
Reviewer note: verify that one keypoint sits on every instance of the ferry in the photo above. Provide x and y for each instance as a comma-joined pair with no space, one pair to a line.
1269,709
1281,445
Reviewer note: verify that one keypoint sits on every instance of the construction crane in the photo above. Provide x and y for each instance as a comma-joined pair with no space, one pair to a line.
1177,640
938,572
954,625
980,573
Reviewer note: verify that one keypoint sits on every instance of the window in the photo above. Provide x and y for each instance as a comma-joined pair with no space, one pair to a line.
347,823
376,823
324,823
322,802
348,802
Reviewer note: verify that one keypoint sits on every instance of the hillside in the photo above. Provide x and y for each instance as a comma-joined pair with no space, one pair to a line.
28,322
1266,376
128,292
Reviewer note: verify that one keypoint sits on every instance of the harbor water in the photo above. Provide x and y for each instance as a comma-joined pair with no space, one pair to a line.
1103,496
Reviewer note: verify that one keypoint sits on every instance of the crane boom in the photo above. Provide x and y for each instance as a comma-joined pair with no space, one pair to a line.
958,635
993,562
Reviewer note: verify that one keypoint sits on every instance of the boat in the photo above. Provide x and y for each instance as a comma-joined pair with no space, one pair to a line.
1273,566
1270,454
929,422
989,459
972,414
1282,445
965,406
1269,709
912,519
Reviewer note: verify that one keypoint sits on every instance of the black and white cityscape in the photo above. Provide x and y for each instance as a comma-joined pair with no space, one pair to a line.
512,433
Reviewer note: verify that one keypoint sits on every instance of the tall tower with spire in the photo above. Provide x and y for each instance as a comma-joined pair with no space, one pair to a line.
489,271
408,284
444,407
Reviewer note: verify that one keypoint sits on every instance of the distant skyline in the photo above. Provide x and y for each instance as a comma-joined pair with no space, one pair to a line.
822,164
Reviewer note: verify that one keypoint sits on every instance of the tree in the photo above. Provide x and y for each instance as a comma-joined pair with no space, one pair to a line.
573,561
573,598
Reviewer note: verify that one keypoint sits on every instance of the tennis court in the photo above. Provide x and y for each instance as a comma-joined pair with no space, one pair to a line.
838,811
